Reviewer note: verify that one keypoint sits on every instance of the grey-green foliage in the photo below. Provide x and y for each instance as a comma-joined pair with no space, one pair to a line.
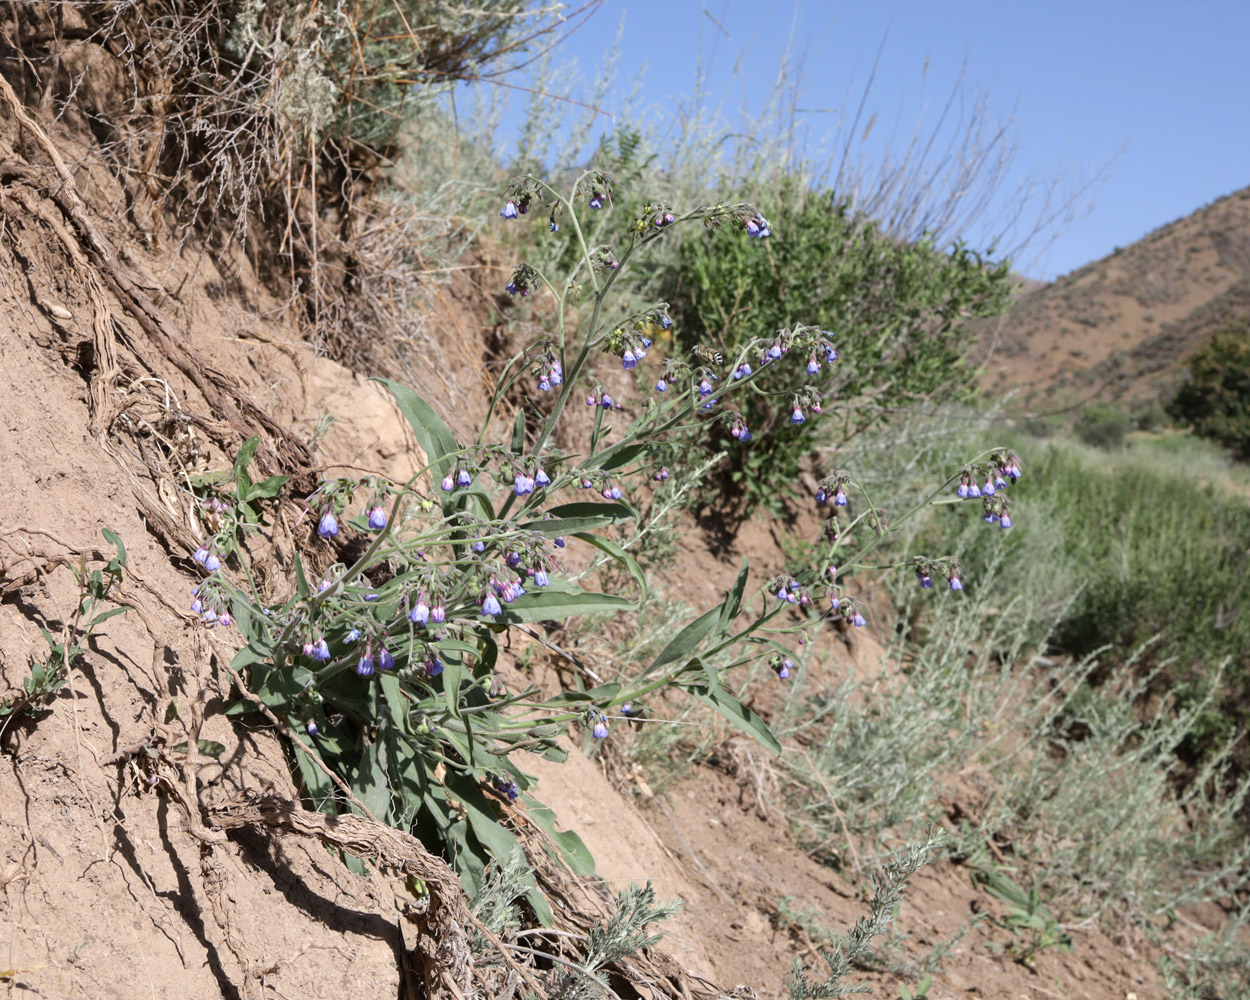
497,903
624,934
844,952
1216,964
974,682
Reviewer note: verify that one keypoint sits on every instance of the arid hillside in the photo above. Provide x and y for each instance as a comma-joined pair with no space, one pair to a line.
1120,328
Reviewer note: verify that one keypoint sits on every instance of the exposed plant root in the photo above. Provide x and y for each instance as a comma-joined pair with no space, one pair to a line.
280,451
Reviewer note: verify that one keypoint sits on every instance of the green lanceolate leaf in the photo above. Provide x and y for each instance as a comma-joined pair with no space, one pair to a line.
737,713
432,434
618,456
114,539
242,481
733,600
551,604
518,432
571,848
622,557
686,641
570,518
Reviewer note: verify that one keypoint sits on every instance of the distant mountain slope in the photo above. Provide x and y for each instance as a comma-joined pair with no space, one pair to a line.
1120,329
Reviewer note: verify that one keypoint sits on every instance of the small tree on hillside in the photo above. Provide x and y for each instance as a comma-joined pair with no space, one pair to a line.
1215,400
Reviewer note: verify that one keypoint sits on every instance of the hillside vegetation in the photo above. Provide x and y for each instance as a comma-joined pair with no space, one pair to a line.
590,579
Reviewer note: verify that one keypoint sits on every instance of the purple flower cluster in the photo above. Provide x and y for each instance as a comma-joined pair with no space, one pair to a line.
508,789
782,667
459,478
422,613
757,227
549,372
598,723
210,607
207,558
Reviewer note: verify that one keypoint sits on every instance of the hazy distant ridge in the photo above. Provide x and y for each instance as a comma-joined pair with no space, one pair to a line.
1122,326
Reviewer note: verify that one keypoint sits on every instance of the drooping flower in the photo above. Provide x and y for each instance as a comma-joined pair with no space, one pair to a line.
464,477
491,606
541,478
785,668
858,621
596,200
433,667
449,483
629,359
839,498
813,366
705,388
364,666
606,402
774,352
509,210
201,555
385,660
212,563
377,517
420,613
797,416
600,729
438,614
539,577
956,583
478,545
321,650
328,526
558,542
1006,520
661,386
757,227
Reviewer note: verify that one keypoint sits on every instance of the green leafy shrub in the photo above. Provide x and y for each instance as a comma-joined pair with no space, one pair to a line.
1102,426
894,311
1215,399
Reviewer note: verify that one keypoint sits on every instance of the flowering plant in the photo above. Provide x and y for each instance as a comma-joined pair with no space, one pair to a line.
388,661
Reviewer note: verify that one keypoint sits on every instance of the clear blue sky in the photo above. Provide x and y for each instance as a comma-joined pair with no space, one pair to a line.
1156,96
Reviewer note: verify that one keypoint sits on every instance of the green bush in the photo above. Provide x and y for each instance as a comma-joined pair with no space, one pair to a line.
1215,400
895,310
1102,426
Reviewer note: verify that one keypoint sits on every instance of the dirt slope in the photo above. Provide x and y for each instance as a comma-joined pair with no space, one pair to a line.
1121,327
110,889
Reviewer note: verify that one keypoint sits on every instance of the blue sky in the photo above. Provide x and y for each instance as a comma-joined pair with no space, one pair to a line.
1150,101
